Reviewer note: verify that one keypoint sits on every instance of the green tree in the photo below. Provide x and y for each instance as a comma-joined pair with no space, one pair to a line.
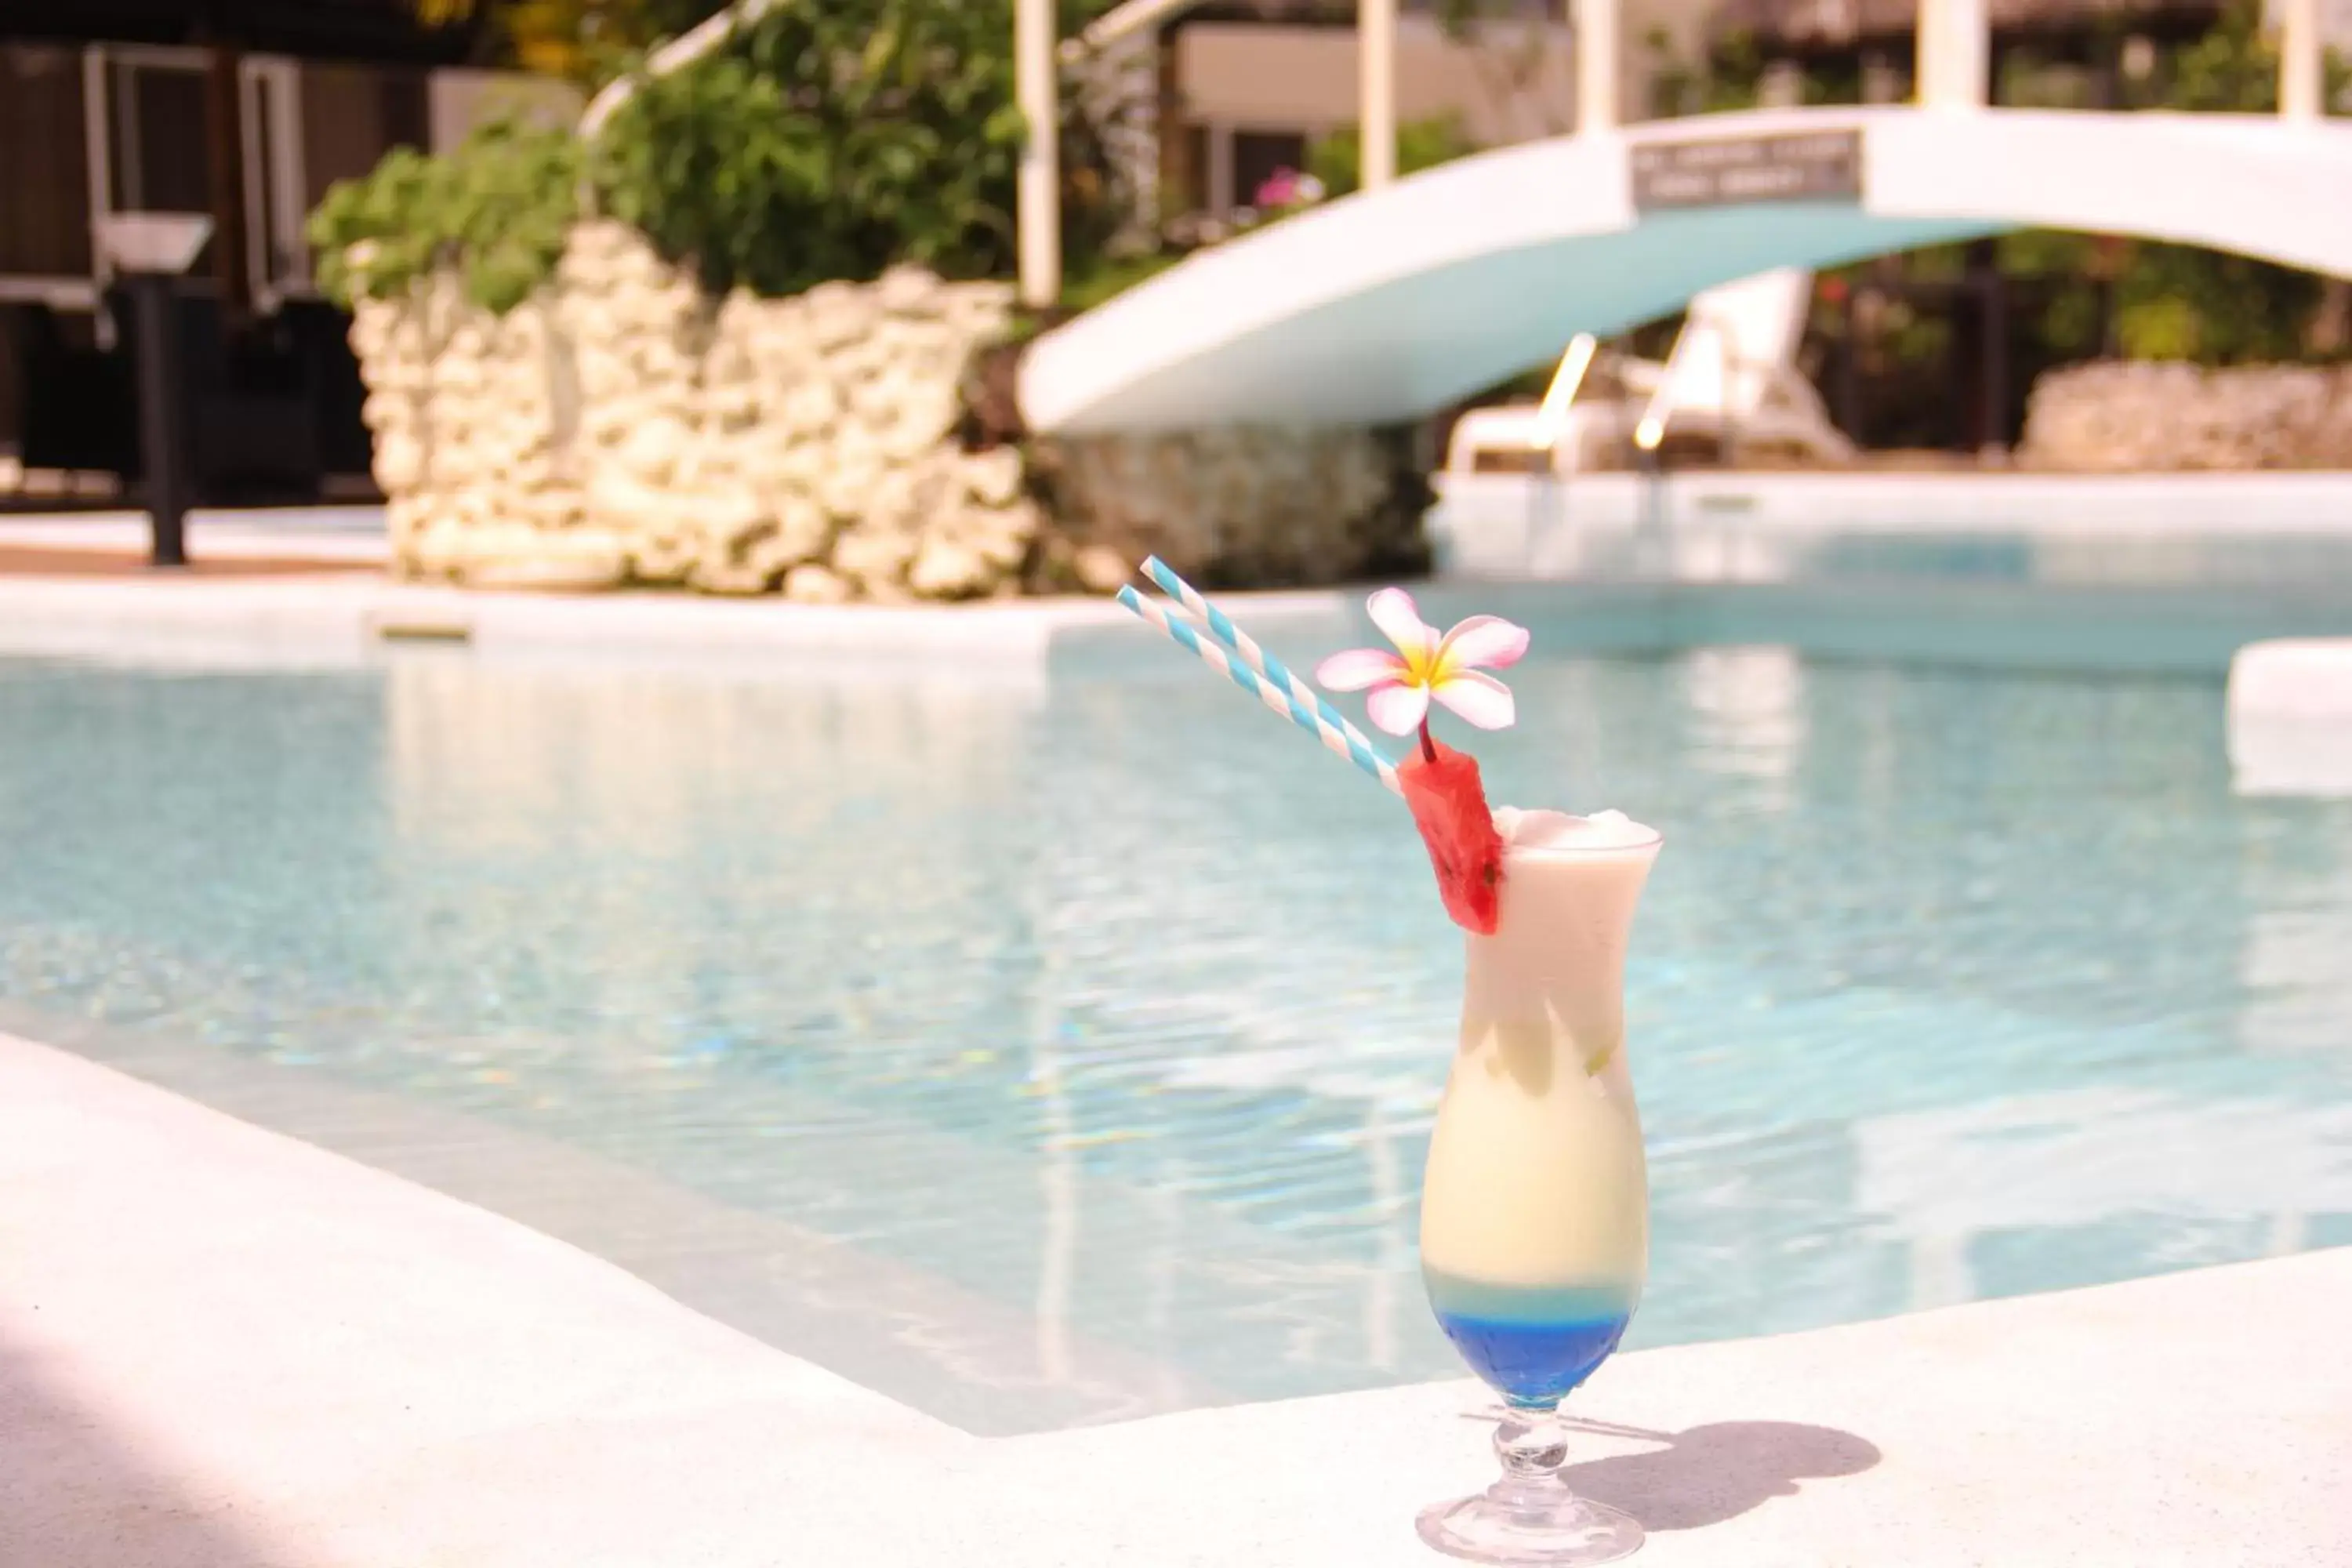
2168,301
1337,158
830,140
2178,302
824,141
496,210
2234,68
1504,43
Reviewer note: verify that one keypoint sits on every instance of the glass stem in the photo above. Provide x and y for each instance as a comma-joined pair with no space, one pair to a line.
1532,1445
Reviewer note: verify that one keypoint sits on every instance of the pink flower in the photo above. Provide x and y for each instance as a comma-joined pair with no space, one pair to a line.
1398,686
1279,189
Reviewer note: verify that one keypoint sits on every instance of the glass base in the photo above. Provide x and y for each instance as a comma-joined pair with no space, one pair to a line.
1536,1522
1530,1516
1539,1524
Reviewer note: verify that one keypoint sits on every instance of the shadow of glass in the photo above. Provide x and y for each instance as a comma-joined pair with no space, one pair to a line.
1719,1471
72,1491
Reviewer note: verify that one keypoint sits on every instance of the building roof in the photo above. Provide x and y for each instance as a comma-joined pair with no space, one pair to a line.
379,31
1817,24
1343,13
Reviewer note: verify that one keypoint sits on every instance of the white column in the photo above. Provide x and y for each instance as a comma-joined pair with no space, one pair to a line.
1217,180
1954,46
97,131
1878,79
1038,211
2301,81
1376,29
1596,66
1782,86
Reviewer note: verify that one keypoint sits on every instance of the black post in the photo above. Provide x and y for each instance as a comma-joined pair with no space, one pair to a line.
1994,368
163,446
1983,304
1849,370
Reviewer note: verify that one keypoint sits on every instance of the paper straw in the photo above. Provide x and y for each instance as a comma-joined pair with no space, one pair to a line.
1256,657
1274,698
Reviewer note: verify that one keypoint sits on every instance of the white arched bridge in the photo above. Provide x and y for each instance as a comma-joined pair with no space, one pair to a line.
1395,303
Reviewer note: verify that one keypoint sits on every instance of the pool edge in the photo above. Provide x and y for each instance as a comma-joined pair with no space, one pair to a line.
377,1350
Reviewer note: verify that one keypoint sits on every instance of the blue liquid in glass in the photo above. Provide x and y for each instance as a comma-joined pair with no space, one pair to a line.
1534,1346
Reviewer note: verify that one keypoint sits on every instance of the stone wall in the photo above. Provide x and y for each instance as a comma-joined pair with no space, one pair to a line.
621,428
1246,506
2112,417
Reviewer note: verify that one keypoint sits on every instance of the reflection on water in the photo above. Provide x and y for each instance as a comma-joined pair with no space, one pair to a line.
2071,1162
1044,1052
1748,718
2294,964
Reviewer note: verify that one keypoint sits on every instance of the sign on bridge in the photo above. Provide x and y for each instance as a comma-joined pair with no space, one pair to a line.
1789,166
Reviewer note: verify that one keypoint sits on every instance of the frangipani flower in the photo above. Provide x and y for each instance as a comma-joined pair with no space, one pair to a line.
1449,668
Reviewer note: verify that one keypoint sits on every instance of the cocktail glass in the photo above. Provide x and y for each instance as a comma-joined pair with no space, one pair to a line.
1535,1207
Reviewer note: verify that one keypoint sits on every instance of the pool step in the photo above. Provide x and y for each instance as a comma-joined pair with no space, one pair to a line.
2290,717
422,631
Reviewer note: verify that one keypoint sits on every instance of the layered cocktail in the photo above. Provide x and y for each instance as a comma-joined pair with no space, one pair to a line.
1535,1206
1535,1209
1534,1218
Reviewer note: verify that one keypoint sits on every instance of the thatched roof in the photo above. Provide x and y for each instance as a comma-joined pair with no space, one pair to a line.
381,30
1289,13
1816,25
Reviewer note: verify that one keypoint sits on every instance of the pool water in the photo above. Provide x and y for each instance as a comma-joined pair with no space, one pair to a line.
1045,1046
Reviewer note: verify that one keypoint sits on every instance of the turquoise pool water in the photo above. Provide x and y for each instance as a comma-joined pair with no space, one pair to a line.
1056,1046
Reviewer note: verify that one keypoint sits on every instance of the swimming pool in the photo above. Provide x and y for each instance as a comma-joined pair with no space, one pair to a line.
1056,1046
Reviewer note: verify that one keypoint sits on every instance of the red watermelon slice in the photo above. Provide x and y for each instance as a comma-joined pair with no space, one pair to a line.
1449,806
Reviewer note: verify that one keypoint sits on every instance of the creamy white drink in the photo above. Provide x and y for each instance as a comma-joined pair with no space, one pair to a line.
1535,1213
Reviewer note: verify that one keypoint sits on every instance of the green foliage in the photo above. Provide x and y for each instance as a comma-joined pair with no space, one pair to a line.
703,160
2233,68
830,140
2160,326
2167,301
1732,79
1504,43
827,140
1337,158
2174,303
495,209
1460,20
1095,281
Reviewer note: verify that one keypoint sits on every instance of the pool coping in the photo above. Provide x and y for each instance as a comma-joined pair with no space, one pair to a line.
330,535
222,1345
1733,588
341,618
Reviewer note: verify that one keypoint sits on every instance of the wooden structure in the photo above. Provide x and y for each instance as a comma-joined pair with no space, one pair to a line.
245,110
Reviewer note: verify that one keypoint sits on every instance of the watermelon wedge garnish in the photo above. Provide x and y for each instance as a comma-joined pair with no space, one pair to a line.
1449,806
1441,784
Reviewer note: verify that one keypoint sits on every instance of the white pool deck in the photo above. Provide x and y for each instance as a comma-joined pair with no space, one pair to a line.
340,618
222,1348
2168,573
352,535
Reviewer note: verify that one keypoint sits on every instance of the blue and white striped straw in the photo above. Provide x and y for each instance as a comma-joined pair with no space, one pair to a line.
1257,659
1275,697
